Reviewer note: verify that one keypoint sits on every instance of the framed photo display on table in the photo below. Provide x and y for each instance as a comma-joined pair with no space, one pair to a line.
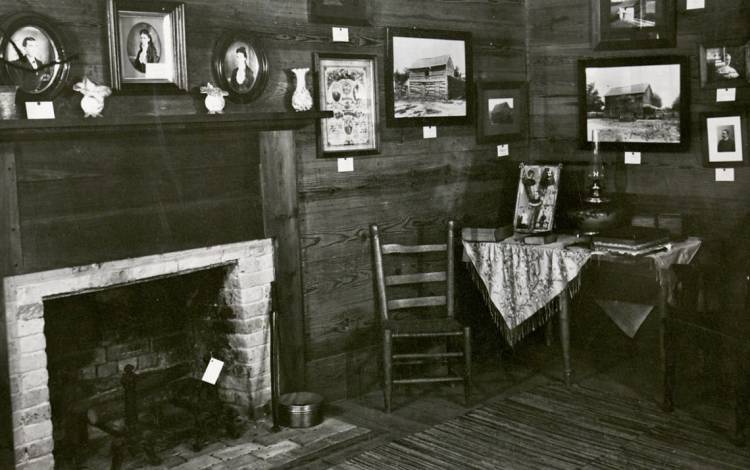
634,103
536,198
147,45
724,139
502,110
347,85
633,24
428,78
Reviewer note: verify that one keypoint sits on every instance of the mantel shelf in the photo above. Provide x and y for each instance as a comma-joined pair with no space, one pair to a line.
20,129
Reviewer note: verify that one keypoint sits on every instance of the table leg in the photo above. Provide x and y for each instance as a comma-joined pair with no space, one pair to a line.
565,334
665,352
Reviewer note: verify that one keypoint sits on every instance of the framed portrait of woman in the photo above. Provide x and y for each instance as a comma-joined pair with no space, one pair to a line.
240,66
34,56
147,45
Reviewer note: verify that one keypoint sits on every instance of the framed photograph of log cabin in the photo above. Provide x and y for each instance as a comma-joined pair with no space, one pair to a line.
724,65
347,85
240,66
346,12
633,24
34,56
429,76
536,198
634,104
724,138
147,45
502,110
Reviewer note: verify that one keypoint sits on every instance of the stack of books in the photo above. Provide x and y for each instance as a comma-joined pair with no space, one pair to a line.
633,241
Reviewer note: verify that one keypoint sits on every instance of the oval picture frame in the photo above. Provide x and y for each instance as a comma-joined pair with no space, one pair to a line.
48,75
231,48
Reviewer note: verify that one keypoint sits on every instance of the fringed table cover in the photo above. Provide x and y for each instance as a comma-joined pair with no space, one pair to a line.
521,283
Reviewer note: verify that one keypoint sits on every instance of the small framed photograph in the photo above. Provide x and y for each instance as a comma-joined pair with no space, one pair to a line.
724,65
35,56
536,198
347,85
634,104
428,75
633,24
724,139
147,45
502,110
240,66
344,12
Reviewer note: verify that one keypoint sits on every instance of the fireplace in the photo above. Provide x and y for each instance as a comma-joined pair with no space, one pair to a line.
156,313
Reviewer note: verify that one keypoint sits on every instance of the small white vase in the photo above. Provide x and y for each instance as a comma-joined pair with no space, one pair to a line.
92,105
215,104
301,100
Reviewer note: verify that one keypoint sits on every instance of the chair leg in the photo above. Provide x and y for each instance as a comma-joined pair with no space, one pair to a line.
387,369
467,365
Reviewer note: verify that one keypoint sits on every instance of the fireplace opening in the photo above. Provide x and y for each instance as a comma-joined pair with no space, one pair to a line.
159,335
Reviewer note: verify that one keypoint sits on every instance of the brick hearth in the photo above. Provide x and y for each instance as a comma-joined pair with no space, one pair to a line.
246,295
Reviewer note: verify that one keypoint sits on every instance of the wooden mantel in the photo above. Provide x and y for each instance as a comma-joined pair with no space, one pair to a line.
19,129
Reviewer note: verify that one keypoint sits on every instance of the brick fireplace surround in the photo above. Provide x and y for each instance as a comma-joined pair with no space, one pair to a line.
246,293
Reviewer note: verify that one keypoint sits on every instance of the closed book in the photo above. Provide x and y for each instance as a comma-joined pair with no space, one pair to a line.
635,252
471,234
633,236
540,239
626,246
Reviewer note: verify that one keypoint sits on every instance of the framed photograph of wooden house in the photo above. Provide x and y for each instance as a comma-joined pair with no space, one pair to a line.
347,12
724,138
429,76
634,104
147,49
347,85
536,198
724,65
633,24
502,110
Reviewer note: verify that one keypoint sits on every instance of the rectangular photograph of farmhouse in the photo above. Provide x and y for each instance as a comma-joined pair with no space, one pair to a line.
633,104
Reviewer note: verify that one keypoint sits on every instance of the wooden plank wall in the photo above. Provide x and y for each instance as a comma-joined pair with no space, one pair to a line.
560,34
412,185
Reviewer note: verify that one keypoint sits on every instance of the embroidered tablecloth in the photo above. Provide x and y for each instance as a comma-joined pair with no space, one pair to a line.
520,282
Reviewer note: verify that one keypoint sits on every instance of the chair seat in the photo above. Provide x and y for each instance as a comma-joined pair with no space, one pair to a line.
424,327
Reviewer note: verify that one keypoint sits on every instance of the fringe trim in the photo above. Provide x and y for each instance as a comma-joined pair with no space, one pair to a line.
541,317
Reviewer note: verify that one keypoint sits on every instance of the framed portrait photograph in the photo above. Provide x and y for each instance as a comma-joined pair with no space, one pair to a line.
346,12
347,85
633,24
724,65
724,139
502,111
634,104
428,75
240,66
536,198
147,45
34,56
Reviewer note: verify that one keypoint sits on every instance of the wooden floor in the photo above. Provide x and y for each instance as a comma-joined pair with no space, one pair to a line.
603,361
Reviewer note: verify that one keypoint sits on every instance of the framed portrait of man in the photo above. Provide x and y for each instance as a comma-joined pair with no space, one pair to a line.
240,66
724,139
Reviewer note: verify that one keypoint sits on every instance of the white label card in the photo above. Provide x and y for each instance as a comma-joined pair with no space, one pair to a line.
157,70
502,150
429,132
632,158
725,94
345,164
695,4
211,375
725,174
40,110
340,34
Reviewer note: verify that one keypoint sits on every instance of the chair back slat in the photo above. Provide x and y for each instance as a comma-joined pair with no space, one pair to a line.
450,288
414,302
416,278
393,248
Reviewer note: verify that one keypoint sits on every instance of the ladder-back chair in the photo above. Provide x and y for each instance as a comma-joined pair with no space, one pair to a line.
419,327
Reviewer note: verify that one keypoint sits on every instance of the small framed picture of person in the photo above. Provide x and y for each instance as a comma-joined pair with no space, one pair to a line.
724,139
147,46
35,56
240,66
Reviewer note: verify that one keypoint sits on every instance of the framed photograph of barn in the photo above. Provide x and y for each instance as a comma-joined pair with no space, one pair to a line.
724,65
428,78
633,24
724,138
502,110
634,104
